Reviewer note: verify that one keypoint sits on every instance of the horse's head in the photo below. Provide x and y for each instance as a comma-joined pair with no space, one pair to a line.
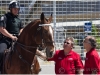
39,33
45,35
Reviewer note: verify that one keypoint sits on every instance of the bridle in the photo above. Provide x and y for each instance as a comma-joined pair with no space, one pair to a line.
39,30
43,41
24,46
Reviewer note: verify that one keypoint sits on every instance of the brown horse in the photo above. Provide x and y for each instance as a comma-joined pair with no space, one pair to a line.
36,33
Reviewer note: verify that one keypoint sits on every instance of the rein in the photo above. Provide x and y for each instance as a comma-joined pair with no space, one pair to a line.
22,50
21,57
23,47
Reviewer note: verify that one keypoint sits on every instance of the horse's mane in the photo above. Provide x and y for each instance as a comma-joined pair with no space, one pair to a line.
34,22
31,25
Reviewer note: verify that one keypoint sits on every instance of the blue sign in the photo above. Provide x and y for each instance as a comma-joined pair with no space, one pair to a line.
88,27
22,10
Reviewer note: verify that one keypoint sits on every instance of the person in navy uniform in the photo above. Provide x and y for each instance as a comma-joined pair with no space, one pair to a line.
10,27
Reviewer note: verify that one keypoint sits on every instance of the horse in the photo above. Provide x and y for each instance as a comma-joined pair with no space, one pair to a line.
37,33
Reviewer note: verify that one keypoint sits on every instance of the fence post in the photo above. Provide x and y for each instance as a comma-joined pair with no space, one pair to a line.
54,19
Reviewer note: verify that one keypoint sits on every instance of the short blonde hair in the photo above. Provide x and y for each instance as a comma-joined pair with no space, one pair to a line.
70,38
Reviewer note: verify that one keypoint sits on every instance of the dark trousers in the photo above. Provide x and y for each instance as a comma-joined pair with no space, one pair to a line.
4,44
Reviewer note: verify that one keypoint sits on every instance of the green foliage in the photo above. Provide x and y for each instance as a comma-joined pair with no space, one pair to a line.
95,34
75,41
98,42
2,12
94,30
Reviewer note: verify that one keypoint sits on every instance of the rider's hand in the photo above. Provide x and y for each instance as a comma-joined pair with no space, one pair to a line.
14,38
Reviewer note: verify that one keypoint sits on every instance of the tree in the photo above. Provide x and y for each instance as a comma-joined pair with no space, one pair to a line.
94,30
95,33
1,12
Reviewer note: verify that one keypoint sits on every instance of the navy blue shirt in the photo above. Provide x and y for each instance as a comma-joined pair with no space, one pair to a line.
11,22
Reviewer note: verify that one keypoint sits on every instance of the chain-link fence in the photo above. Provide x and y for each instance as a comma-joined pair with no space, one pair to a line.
76,18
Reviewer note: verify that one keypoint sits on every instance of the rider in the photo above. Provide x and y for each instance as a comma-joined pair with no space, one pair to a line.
10,27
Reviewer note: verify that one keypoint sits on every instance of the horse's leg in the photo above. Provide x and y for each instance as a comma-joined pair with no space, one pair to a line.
36,66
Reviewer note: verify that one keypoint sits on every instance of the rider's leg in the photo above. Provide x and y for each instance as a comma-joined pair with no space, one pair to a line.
3,46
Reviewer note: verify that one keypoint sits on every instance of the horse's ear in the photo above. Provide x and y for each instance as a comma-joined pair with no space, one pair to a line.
50,19
42,16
